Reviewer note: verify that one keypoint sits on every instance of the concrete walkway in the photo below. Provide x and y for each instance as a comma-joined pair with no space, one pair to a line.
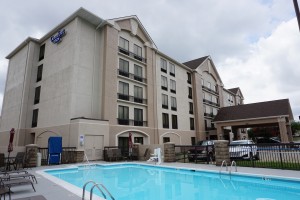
53,191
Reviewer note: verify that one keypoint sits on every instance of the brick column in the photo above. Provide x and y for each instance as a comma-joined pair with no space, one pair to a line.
169,152
221,151
79,156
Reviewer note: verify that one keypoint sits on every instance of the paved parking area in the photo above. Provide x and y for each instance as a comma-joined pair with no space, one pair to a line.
52,191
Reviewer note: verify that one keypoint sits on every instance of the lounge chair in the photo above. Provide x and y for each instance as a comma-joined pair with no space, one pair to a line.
37,197
4,191
16,182
11,176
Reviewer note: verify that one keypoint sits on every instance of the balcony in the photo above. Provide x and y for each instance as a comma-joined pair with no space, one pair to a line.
165,106
173,108
210,90
210,103
132,98
131,122
210,115
132,76
132,55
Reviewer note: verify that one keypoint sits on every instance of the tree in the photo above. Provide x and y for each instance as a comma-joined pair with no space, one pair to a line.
295,127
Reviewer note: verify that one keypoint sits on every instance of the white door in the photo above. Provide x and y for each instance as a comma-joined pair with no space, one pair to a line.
93,146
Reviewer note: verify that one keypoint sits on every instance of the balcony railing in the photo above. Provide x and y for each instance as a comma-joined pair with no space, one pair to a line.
210,90
210,102
132,76
131,122
132,55
132,98
211,115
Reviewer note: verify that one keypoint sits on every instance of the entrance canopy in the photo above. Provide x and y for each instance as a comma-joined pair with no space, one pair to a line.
269,113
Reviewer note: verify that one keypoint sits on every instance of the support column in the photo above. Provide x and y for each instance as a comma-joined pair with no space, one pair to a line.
283,130
220,132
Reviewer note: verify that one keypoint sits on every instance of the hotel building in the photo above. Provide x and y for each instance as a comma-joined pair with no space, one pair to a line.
94,81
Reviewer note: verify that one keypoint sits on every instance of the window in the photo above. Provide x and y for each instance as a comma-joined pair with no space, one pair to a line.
190,93
209,85
189,78
42,52
124,46
138,73
137,50
202,82
173,86
123,115
172,69
138,94
192,126
166,139
138,117
37,95
35,116
123,67
174,122
165,120
123,91
191,108
163,65
164,83
139,140
39,73
193,140
164,100
173,104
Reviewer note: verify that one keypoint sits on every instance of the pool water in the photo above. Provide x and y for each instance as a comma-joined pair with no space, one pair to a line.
142,182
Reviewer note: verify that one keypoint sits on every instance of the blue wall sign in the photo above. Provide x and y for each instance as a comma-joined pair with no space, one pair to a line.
57,38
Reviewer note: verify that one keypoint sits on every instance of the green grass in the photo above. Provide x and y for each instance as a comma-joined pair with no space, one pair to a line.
272,165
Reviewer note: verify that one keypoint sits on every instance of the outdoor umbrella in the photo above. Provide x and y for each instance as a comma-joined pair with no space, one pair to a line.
10,144
130,144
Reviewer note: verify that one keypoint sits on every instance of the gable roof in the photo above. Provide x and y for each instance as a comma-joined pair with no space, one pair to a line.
255,110
234,90
193,64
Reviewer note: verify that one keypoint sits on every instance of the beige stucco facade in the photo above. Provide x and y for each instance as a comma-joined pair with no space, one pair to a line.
82,89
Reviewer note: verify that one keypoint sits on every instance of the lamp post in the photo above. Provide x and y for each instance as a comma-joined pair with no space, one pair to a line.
297,12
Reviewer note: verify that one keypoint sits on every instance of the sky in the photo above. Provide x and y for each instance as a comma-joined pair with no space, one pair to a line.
255,44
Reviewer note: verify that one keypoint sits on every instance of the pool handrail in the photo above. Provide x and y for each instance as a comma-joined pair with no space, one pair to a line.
84,186
106,190
223,162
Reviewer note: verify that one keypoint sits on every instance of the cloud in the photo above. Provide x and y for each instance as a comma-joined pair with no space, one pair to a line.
271,70
252,42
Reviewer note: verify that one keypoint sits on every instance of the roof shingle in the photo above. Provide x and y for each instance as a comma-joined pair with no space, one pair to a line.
255,110
193,64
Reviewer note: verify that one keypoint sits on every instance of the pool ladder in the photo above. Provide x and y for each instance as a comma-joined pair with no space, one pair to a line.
97,185
233,163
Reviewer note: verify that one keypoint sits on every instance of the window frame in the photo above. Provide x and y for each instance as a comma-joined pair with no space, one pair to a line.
165,120
37,95
173,103
42,52
172,69
164,101
164,83
173,86
174,122
39,74
35,117
163,65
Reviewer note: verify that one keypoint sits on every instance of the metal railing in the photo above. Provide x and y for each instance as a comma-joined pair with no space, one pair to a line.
132,55
132,98
68,155
132,76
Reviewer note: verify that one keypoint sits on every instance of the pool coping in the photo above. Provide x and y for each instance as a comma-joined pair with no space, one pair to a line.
78,191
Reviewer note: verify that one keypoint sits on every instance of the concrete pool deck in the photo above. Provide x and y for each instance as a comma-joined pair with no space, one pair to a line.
52,191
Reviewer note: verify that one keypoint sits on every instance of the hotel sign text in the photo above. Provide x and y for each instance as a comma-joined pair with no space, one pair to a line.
58,37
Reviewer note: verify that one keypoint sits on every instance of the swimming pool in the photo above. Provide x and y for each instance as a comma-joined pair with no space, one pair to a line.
145,182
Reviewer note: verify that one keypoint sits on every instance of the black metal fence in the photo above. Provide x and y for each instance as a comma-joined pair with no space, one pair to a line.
195,154
68,155
276,156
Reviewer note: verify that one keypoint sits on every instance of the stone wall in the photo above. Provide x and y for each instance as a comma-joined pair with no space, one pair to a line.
221,152
169,152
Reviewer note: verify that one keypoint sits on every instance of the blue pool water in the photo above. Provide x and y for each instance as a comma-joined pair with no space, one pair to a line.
142,182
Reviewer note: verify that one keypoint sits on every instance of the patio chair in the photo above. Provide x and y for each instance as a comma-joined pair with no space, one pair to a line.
4,191
19,160
16,182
